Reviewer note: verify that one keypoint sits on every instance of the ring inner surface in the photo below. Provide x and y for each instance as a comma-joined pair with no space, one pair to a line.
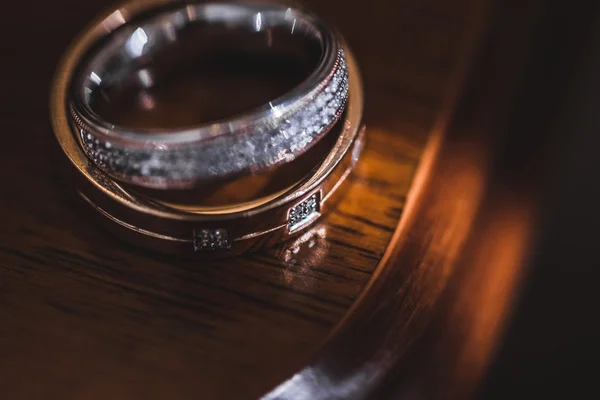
196,65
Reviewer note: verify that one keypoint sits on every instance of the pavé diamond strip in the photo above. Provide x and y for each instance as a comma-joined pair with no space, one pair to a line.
227,154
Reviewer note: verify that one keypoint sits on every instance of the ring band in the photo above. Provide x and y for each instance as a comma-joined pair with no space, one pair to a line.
228,230
181,158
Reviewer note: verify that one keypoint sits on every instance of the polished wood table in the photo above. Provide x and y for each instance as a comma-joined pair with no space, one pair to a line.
85,316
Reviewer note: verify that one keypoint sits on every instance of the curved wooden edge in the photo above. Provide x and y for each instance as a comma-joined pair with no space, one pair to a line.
440,295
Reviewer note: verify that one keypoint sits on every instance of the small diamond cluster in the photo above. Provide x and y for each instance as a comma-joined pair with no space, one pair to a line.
303,212
218,239
269,142
211,239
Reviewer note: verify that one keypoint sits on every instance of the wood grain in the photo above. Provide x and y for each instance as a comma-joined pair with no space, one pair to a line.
83,315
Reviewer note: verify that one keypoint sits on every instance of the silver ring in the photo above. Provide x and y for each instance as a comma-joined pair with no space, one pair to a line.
275,133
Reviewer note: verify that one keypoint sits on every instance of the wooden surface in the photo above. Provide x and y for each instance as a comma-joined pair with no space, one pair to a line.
83,315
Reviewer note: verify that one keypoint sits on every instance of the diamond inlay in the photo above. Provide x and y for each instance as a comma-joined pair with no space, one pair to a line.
304,212
211,239
279,138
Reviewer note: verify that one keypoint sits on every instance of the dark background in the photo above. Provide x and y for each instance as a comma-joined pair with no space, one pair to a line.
551,345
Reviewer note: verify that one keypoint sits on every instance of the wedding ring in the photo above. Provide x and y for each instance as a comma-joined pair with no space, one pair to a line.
121,47
150,221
